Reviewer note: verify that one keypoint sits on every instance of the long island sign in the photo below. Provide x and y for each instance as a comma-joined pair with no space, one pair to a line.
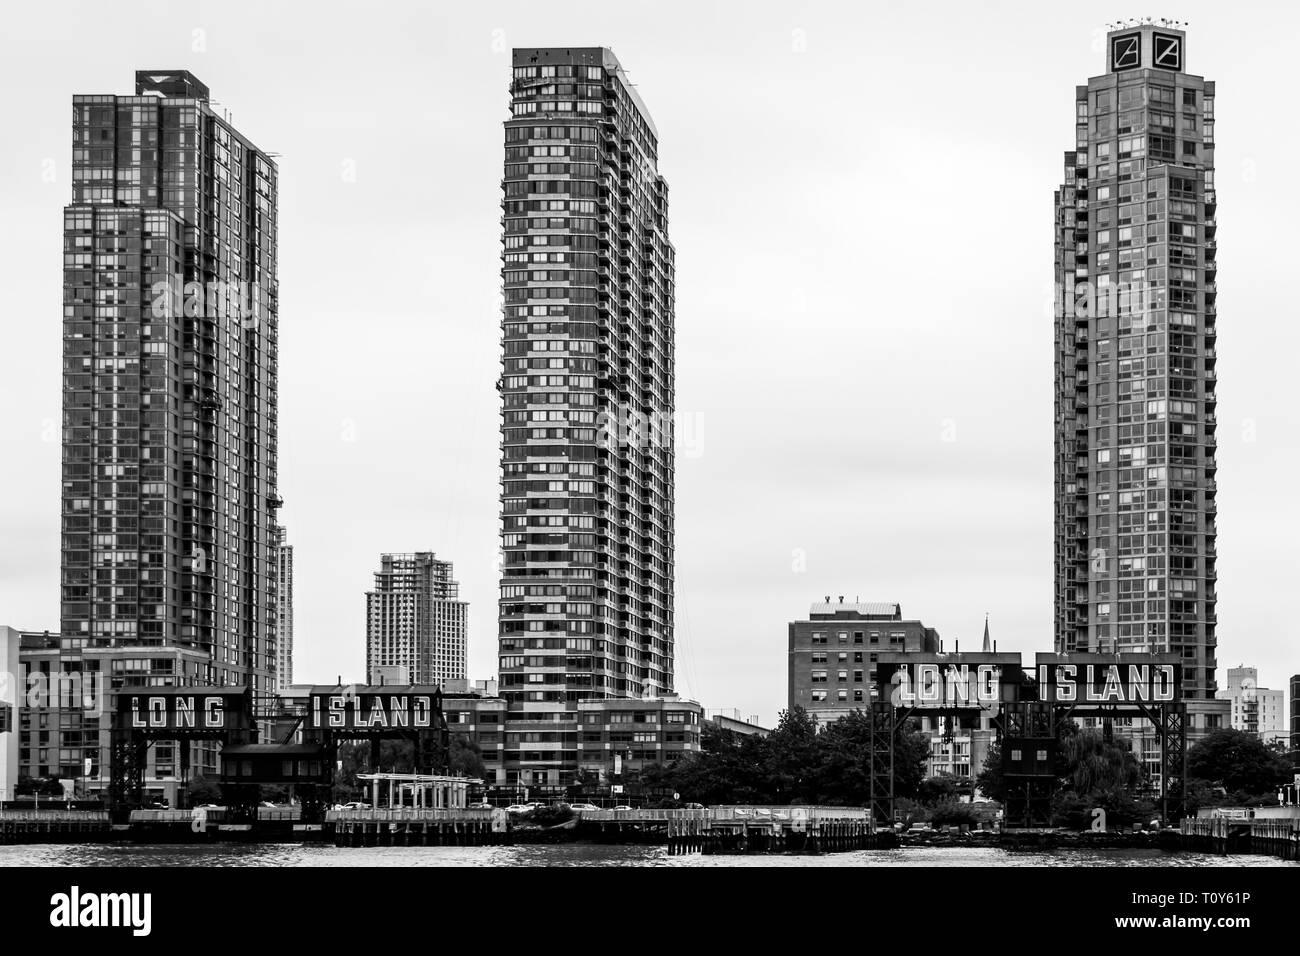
194,711
952,683
958,683
1101,679
374,708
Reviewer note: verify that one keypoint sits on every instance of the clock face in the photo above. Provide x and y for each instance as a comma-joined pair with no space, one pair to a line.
1125,52
1167,51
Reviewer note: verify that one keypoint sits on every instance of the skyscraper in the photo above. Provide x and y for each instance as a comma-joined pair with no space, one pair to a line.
169,389
1136,329
283,608
415,620
586,604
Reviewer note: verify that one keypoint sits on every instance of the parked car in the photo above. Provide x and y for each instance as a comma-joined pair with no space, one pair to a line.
521,808
919,828
355,805
479,806
584,807
622,807
696,806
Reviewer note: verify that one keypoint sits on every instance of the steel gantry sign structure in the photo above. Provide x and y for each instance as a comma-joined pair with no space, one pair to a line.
1029,711
307,733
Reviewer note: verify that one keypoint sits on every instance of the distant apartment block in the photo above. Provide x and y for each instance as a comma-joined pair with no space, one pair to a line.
284,609
415,621
1295,712
1256,710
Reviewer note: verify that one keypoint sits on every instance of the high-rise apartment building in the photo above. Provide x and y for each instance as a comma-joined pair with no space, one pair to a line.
169,382
415,620
1136,328
283,609
1294,696
1256,710
586,603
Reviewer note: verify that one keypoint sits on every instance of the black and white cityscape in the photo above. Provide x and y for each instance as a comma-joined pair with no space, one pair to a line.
409,482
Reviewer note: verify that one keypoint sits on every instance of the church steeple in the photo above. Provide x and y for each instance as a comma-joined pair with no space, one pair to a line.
988,646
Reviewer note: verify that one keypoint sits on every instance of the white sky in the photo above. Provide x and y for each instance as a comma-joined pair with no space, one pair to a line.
861,201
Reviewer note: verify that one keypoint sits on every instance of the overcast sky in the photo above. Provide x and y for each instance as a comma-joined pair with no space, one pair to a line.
861,201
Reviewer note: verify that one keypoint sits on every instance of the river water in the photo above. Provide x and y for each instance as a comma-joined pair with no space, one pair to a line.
296,854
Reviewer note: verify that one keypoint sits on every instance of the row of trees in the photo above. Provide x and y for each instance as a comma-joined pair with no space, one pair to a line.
793,764
1227,767
798,764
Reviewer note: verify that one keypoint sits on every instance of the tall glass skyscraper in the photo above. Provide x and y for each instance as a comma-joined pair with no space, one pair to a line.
586,605
1136,329
169,388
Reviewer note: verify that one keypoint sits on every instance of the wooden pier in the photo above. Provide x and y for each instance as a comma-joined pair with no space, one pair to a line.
741,830
407,827
54,826
1278,837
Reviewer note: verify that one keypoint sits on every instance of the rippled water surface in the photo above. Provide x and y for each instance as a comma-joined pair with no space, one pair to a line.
280,854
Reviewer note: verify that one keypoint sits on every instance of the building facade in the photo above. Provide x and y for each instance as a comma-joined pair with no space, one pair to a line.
10,701
284,609
65,723
961,754
169,382
729,719
832,654
415,621
586,602
613,738
1256,710
1295,711
1136,387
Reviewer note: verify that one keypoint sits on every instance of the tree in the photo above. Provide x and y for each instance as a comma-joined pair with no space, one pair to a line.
1236,760
951,813
464,757
1095,764
845,761
729,768
911,754
792,758
354,758
989,780
201,790
943,788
